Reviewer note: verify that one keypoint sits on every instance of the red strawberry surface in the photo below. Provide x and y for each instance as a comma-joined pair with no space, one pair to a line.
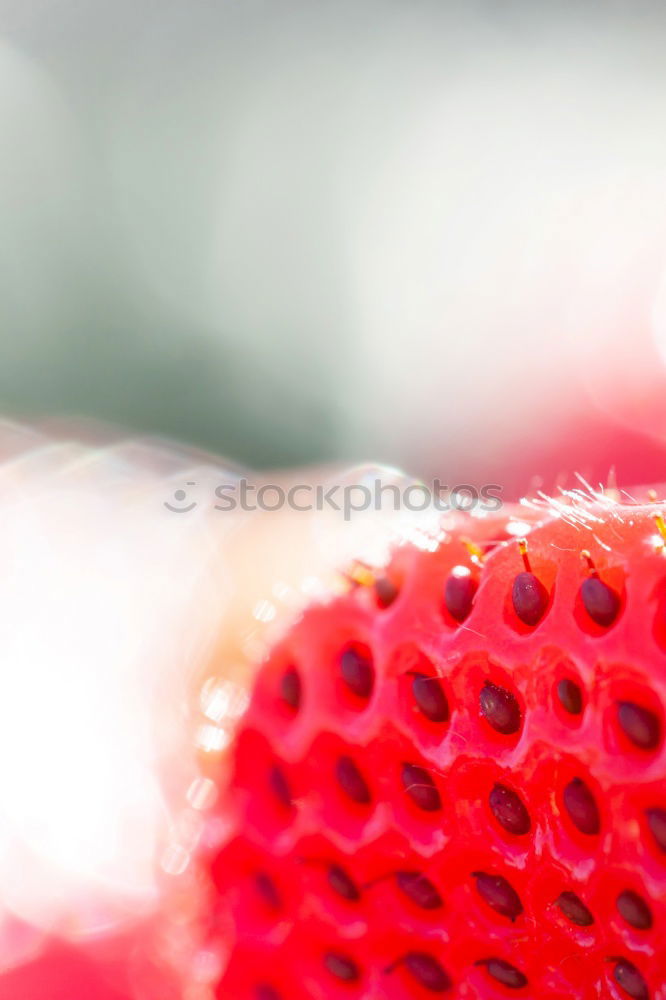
451,779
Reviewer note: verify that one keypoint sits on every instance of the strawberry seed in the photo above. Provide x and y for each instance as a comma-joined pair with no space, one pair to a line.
357,671
427,971
639,724
530,598
290,688
421,788
266,992
352,781
430,698
657,822
506,974
341,967
280,787
579,803
570,695
385,591
340,882
509,810
500,708
498,894
600,601
574,909
420,890
634,910
459,593
268,890
627,976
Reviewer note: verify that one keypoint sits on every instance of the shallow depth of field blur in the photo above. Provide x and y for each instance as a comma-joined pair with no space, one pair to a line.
424,233
431,234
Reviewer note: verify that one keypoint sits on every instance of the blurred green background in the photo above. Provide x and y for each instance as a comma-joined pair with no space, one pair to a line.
117,124
300,232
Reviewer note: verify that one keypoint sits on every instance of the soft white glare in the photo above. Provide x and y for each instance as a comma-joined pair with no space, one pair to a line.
202,793
109,605
461,572
213,739
518,528
223,700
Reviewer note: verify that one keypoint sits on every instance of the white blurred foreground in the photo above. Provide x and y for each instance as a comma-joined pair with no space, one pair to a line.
109,604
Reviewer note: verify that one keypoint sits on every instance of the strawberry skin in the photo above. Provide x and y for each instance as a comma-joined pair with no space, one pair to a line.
452,781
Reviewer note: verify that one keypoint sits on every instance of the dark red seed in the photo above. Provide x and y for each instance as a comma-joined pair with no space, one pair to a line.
352,781
574,909
268,890
579,803
640,725
427,971
627,976
509,810
420,890
290,688
340,882
430,698
507,975
500,708
571,696
357,671
266,992
421,788
634,910
459,593
530,598
600,601
498,894
385,591
280,787
657,822
341,966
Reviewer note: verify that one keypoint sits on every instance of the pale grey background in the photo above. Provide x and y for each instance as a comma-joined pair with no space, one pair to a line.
300,231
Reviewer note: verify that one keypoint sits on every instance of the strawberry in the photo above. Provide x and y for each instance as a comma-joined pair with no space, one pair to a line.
451,778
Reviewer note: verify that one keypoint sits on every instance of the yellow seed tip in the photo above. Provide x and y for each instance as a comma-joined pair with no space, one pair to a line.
476,553
361,575
522,548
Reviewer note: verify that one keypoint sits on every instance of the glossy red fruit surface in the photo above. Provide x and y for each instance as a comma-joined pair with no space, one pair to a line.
503,834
